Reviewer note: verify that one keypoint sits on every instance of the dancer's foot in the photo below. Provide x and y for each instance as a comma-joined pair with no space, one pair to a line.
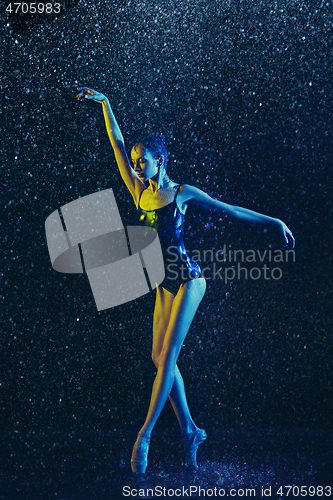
139,460
191,442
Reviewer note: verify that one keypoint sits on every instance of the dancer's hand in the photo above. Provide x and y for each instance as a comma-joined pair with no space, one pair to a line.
286,233
85,93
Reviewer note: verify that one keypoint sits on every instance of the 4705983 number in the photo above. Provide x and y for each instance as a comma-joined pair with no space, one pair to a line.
33,8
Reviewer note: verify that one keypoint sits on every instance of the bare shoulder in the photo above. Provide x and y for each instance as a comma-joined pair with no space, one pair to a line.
188,192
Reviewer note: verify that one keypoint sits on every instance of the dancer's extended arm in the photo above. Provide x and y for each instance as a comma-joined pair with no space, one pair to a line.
191,193
132,181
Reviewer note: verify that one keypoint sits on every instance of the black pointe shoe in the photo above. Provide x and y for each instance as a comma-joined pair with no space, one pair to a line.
191,442
139,460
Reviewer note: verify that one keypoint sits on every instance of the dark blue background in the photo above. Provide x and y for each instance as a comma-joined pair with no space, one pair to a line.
243,93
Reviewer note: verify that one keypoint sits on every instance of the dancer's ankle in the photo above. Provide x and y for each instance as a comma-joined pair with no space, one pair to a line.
189,429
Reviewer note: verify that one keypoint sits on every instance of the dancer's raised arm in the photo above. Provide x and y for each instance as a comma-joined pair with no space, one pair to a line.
198,197
131,179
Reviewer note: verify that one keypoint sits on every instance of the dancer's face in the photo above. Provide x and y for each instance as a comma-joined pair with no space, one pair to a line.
143,162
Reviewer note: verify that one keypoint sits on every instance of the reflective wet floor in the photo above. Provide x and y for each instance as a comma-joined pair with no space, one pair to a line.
95,464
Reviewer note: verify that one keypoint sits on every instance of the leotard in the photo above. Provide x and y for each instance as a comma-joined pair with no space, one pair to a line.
168,221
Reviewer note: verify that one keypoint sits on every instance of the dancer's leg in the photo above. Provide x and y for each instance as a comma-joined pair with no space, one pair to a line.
183,309
162,313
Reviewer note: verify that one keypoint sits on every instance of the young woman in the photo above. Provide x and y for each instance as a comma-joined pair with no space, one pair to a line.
163,204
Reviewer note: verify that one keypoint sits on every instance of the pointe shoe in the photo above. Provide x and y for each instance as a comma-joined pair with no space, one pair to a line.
191,442
139,460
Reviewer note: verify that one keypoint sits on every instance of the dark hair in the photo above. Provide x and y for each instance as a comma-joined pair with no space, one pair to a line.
155,143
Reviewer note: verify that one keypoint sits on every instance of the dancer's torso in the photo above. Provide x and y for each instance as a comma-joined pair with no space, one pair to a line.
168,221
